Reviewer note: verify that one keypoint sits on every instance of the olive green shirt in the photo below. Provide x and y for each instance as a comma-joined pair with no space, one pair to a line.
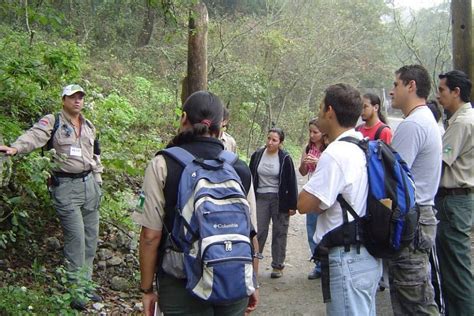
77,149
458,155
229,142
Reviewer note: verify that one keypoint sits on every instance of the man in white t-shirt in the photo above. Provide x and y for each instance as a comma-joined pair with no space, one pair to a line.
418,141
353,272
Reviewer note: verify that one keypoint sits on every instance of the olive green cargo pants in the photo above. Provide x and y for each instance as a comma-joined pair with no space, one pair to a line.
411,291
77,205
454,252
174,299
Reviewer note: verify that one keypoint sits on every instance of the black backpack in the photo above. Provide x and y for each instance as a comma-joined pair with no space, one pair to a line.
391,218
49,144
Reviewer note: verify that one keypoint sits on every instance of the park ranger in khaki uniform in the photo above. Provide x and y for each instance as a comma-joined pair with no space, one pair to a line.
76,181
229,142
455,198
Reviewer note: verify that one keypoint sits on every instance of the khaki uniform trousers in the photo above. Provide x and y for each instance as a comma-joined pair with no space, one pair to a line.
77,204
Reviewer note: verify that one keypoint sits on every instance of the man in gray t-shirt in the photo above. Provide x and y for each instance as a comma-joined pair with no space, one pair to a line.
418,141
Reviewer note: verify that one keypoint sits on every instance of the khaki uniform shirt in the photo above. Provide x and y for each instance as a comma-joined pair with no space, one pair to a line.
78,149
229,142
153,186
458,154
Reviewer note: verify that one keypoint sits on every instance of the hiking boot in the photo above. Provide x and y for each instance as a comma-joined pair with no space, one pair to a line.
315,273
79,305
276,273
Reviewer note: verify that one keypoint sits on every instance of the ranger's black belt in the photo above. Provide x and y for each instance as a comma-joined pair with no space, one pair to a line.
72,175
454,191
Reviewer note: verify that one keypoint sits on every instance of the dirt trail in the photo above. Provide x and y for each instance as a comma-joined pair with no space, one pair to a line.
294,294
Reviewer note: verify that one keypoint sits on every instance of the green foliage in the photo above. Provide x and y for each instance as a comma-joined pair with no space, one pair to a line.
46,294
31,75
27,201
424,38
23,301
118,205
269,61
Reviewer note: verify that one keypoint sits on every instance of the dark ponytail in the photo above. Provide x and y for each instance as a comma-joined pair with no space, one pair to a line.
375,100
204,111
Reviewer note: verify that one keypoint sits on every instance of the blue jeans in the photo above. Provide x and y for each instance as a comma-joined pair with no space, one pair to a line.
311,219
354,280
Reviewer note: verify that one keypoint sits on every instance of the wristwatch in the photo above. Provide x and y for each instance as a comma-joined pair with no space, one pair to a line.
258,255
147,291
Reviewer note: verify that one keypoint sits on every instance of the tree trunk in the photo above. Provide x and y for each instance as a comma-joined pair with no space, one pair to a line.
148,23
251,129
309,102
472,62
196,78
461,14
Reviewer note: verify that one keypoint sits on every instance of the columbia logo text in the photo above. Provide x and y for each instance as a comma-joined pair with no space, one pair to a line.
222,226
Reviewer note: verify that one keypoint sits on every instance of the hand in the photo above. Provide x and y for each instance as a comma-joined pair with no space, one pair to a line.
310,160
149,301
253,302
291,212
9,151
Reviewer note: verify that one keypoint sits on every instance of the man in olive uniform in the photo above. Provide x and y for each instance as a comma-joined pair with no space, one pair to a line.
455,198
227,139
76,181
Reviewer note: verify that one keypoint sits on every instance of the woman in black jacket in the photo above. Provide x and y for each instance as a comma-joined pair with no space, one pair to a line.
276,191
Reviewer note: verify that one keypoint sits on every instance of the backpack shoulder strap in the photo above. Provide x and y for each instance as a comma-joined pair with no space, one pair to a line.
89,123
379,131
228,156
181,155
347,207
351,139
362,143
49,144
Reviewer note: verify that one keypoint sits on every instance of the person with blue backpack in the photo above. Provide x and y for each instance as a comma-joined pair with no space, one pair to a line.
418,141
350,274
198,220
276,192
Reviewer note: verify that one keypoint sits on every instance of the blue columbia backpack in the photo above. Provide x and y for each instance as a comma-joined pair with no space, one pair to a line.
212,227
391,219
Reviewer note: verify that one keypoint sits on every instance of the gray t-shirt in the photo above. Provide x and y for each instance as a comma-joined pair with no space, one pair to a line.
418,141
268,173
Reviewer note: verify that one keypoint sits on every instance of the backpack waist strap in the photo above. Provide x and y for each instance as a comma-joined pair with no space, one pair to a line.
345,235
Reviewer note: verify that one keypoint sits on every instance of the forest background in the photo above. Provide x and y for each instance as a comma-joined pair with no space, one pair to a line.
268,60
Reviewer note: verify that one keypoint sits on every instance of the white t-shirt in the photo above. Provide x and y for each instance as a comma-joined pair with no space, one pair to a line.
418,141
342,168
